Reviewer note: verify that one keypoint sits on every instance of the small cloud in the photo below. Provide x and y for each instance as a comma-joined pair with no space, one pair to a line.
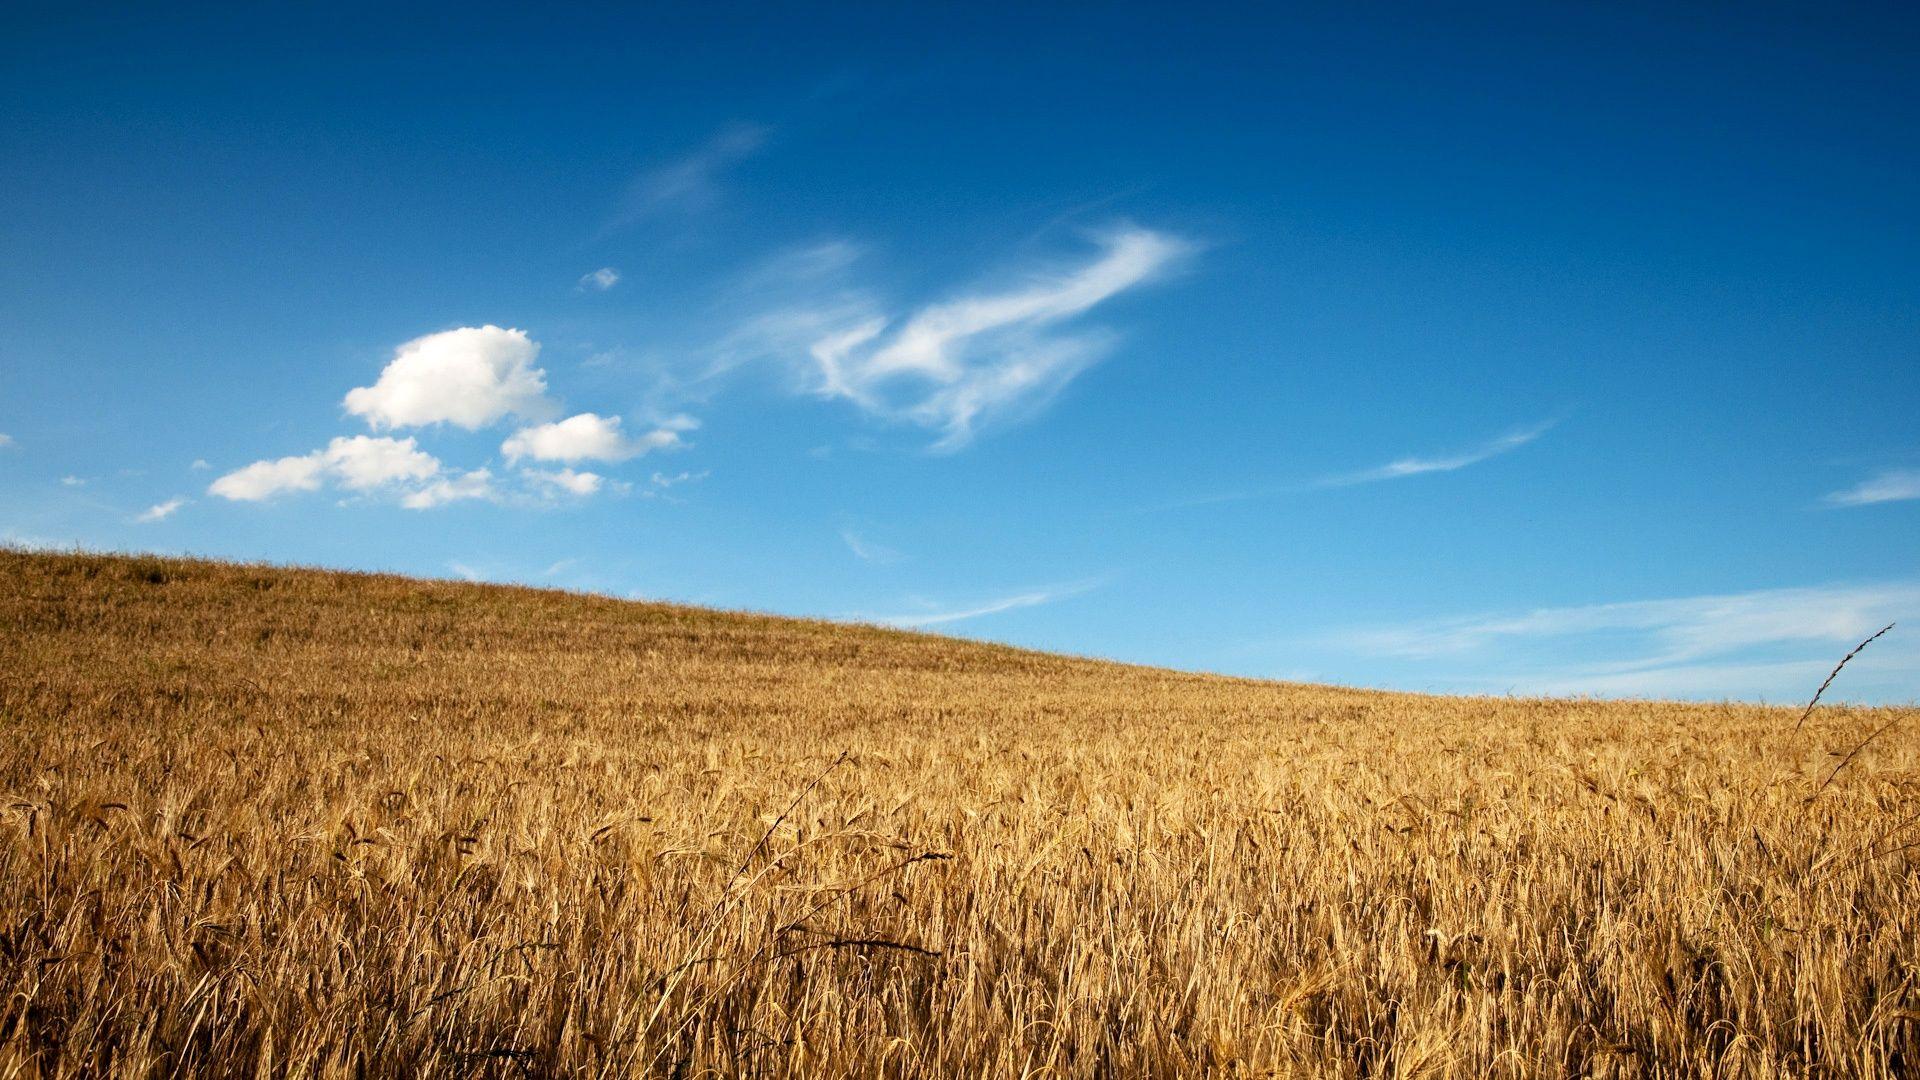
265,479
599,280
471,377
199,464
74,481
6,440
559,567
467,572
1013,602
690,183
476,484
565,481
806,265
1891,485
868,551
1415,466
662,480
590,437
161,511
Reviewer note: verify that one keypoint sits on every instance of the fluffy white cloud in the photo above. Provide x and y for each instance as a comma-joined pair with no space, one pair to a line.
361,462
265,479
566,481
955,365
6,440
471,377
600,280
358,462
589,437
161,511
74,481
476,484
1893,485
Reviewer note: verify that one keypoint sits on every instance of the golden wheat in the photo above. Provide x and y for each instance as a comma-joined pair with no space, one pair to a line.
272,822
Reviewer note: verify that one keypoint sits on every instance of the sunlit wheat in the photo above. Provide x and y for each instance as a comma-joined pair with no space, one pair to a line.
269,822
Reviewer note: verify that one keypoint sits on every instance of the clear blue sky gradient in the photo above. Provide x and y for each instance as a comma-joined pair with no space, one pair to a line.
1544,348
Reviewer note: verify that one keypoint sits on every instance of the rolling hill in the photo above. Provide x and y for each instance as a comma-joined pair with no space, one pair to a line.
266,821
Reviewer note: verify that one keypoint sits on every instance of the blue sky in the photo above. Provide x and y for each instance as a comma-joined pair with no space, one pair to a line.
1544,348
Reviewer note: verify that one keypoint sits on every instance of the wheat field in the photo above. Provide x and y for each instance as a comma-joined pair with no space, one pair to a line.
261,821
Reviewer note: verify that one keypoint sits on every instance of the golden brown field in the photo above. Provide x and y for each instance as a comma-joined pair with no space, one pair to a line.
260,821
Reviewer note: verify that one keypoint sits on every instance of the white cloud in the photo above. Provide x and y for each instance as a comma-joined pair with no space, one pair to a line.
689,183
74,481
10,538
265,479
475,484
953,366
200,463
6,440
599,280
1682,629
1763,641
471,377
867,550
1415,466
361,462
589,437
807,264
162,511
937,616
1892,485
662,480
566,481
357,463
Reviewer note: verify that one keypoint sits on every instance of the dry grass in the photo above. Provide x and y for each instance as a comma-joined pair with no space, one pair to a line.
261,821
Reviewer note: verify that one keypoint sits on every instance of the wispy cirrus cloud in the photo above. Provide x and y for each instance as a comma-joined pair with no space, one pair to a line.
953,367
1890,485
868,551
1416,466
1766,641
689,183
1393,470
937,615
